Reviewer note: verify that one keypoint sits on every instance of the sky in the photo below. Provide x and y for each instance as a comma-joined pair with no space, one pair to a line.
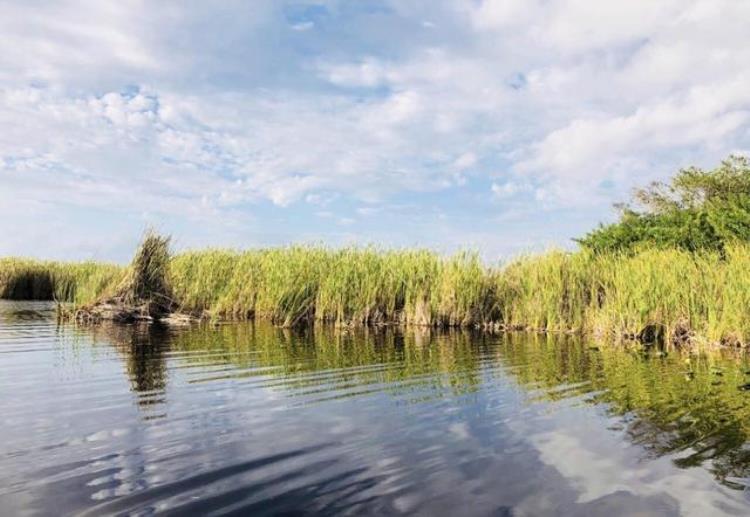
505,126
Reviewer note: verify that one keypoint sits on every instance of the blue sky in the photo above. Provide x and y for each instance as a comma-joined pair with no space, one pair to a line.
500,125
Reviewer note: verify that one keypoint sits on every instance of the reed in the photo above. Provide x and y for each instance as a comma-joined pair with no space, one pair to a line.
702,295
697,297
147,277
28,279
351,286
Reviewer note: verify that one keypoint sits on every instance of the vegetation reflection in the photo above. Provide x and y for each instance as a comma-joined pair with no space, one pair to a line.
696,408
322,359
693,408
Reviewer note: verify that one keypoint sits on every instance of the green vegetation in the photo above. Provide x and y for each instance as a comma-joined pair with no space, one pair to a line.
697,210
350,286
696,298
678,270
142,293
27,279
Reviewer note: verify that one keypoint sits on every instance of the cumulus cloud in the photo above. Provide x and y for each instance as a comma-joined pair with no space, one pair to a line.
279,106
508,189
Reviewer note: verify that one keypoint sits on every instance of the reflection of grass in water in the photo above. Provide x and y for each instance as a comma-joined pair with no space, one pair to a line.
691,407
327,358
687,407
143,349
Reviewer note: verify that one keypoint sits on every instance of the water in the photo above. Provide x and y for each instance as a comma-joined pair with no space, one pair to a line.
245,419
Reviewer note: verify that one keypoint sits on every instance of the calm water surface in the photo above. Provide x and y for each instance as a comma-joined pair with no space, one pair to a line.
245,419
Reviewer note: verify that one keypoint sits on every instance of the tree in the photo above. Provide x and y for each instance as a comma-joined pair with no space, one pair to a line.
695,210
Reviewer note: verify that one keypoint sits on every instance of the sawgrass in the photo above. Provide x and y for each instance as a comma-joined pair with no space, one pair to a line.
28,279
147,277
620,294
705,295
350,286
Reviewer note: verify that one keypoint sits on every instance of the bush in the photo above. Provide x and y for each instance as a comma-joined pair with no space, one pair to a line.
696,210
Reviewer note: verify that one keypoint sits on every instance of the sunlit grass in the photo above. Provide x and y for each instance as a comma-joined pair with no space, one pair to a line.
350,286
613,294
27,279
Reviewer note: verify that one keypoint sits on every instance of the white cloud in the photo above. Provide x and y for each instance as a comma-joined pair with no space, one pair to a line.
575,101
303,26
465,161
707,117
370,73
508,189
54,41
498,14
575,26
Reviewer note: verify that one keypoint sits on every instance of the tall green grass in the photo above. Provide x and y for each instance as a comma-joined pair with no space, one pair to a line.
616,294
704,295
350,286
28,279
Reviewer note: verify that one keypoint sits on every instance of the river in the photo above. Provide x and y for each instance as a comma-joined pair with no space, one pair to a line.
249,419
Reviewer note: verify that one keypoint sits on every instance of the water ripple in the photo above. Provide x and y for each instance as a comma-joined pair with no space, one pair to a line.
249,419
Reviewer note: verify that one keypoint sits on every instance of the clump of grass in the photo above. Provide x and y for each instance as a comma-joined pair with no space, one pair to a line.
199,279
24,279
143,293
552,291
696,297
147,276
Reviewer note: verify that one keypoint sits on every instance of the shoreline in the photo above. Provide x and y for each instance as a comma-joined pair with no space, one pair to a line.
678,298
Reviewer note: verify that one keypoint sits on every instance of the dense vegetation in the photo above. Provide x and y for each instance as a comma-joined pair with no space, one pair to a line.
698,297
346,286
26,279
678,269
696,210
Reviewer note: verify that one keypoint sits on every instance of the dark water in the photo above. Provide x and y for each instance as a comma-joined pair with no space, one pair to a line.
253,420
